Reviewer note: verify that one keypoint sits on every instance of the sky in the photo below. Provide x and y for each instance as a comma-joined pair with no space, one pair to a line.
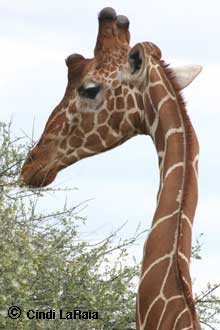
36,37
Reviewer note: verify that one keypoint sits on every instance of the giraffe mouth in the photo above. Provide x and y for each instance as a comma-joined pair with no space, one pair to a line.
38,178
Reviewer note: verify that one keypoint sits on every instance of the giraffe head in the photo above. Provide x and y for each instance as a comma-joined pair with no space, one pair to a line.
104,103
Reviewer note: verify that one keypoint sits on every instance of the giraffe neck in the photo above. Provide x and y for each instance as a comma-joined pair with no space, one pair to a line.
165,294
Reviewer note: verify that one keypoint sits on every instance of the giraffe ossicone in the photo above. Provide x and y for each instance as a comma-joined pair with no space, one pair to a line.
120,93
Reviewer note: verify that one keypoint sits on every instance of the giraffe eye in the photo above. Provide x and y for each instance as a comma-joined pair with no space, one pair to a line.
89,92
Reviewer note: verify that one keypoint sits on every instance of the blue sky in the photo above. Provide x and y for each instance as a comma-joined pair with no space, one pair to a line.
36,37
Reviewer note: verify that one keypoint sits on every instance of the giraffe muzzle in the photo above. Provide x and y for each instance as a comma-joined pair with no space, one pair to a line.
39,178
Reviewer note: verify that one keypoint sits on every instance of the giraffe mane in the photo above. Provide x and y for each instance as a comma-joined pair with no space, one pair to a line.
190,143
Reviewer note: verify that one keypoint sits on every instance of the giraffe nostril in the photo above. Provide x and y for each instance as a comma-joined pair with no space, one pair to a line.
122,22
107,13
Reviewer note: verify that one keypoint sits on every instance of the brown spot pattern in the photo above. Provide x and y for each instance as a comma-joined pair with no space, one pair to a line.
102,116
87,122
115,120
118,91
103,131
110,104
130,102
126,127
150,287
75,141
93,142
120,103
139,100
157,94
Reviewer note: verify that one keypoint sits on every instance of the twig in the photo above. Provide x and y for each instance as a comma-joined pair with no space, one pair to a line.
10,167
208,325
199,298
210,301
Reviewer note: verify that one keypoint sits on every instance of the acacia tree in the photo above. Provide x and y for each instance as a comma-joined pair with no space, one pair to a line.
208,300
45,265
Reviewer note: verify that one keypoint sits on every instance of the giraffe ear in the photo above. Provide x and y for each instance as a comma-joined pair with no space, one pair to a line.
184,75
136,59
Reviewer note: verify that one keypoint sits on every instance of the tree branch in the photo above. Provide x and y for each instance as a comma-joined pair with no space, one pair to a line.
200,298
208,325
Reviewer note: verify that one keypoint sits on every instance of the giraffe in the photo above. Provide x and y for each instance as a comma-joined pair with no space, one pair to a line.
118,94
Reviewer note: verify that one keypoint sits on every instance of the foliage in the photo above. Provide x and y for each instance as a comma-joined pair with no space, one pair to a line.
45,265
208,306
